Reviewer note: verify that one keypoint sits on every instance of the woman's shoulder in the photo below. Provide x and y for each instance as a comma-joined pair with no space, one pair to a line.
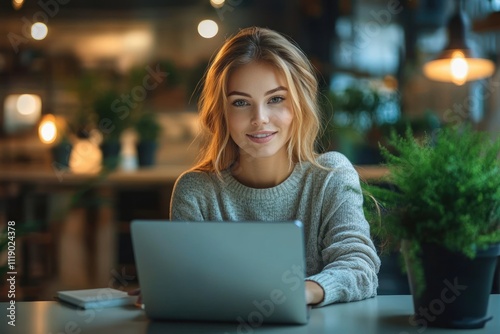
195,184
194,178
338,171
336,168
334,161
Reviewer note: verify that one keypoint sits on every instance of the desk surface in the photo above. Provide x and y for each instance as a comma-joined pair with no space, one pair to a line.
383,314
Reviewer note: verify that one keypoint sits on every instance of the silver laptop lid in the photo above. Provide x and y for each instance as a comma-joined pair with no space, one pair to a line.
250,272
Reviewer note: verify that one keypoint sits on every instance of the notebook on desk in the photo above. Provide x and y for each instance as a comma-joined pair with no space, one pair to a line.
245,272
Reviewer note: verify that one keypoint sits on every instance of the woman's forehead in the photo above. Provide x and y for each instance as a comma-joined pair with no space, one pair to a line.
256,75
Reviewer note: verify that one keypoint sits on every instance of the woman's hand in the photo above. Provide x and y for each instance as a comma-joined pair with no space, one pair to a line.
137,292
314,293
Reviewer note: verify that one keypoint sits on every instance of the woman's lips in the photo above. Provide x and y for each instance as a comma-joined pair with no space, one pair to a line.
261,137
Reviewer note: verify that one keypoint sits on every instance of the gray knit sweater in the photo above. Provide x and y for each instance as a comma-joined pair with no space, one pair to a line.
340,256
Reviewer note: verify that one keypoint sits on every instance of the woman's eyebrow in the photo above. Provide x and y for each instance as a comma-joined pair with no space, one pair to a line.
274,90
235,92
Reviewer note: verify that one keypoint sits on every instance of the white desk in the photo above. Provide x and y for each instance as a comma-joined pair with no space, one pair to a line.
383,314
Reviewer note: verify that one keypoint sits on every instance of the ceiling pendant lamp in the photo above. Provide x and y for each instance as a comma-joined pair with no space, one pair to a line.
458,63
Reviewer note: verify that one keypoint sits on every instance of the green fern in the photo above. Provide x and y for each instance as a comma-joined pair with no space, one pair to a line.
445,190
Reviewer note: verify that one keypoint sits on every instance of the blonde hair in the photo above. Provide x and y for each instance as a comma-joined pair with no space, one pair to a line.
258,44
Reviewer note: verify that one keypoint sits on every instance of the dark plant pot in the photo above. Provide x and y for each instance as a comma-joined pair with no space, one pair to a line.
457,288
146,153
110,154
61,154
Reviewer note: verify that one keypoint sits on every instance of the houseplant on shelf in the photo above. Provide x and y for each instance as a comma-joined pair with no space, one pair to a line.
443,208
148,130
61,152
111,122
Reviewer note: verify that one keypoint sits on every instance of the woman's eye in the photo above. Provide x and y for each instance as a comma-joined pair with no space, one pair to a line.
276,99
240,103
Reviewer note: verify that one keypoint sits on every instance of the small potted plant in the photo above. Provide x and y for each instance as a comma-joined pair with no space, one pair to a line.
111,122
61,152
148,130
442,206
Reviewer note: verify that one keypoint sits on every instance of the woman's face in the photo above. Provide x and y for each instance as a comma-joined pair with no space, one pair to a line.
259,113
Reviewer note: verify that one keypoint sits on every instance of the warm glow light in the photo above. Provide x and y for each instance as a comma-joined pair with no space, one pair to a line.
217,3
17,4
459,68
137,41
86,157
28,104
129,46
39,31
208,28
47,131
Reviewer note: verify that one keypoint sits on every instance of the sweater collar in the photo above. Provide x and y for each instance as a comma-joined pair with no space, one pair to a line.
289,185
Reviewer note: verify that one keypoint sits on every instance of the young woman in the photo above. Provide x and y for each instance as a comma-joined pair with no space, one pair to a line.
259,110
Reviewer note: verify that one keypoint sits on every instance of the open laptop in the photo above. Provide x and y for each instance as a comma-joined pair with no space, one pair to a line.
245,272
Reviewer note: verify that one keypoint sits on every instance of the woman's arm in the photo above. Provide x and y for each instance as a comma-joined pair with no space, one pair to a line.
350,261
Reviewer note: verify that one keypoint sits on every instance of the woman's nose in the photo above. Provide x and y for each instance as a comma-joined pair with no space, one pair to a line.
260,115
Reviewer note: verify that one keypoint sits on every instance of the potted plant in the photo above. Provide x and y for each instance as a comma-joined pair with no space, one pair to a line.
442,206
111,121
148,130
61,152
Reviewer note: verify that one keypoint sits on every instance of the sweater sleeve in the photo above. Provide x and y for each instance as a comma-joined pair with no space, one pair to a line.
185,204
351,263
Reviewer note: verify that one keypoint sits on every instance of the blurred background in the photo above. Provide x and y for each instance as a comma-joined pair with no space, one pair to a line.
98,111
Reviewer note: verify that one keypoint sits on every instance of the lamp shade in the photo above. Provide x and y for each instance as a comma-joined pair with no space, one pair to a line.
458,63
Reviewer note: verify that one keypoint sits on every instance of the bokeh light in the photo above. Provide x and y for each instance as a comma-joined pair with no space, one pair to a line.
28,104
39,31
217,3
208,28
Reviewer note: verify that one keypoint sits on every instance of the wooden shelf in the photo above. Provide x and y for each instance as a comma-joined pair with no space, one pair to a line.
145,176
49,176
